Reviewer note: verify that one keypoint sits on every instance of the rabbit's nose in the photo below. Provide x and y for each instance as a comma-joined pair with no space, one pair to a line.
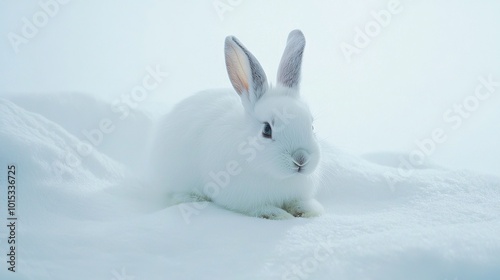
300,158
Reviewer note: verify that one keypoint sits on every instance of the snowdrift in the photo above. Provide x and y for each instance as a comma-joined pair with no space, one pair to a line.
84,212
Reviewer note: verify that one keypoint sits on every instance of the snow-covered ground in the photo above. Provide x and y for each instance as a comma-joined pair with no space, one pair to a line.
83,208
91,217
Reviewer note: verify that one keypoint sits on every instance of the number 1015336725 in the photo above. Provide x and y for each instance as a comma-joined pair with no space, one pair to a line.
11,190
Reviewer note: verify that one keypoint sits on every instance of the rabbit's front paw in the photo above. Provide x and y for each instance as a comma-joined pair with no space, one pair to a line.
271,213
306,209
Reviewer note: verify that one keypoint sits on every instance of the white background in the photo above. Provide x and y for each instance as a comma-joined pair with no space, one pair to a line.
391,94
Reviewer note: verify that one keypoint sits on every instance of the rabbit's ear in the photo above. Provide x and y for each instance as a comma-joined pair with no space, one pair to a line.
291,61
246,74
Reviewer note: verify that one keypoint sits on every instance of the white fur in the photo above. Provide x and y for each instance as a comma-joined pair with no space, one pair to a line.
218,134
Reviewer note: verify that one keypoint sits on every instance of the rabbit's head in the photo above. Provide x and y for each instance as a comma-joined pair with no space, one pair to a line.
278,115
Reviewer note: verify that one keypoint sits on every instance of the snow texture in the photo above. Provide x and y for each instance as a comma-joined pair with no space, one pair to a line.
94,219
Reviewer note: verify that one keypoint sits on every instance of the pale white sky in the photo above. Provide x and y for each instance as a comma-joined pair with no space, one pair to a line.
393,92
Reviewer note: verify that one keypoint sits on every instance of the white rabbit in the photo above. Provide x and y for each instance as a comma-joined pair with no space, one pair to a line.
253,152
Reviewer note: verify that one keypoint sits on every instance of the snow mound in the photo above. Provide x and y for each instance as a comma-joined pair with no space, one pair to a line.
85,214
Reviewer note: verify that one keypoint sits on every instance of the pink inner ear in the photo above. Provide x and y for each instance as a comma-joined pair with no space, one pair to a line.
236,69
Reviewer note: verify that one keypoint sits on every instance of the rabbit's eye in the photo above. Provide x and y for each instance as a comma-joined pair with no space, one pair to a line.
267,131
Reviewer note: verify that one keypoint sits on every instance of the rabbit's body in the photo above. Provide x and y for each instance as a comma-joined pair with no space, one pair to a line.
258,159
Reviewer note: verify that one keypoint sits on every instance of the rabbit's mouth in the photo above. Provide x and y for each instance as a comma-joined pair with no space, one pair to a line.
299,167
301,162
302,169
